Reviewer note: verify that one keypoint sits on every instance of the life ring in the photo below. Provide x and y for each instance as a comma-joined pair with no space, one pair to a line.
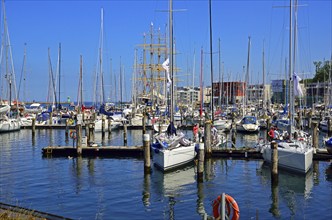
73,134
230,203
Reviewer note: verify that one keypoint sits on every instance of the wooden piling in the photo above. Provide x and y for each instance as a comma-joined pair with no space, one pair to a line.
109,127
91,137
86,123
274,162
33,126
102,126
207,139
143,122
146,146
233,137
79,139
125,133
50,122
314,135
67,128
268,126
329,127
200,164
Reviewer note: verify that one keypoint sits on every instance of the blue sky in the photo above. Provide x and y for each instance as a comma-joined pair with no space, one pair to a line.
76,25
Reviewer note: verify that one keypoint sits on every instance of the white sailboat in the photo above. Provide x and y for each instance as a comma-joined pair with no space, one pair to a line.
9,121
171,149
296,152
248,124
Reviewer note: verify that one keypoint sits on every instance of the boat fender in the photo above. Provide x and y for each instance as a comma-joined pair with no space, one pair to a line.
329,142
197,148
165,144
231,205
71,121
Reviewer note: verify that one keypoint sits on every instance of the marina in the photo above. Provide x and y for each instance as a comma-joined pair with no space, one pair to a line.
165,141
96,187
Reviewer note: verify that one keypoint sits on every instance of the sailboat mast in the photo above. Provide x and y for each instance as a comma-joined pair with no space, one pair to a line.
24,73
201,87
211,61
264,97
81,81
101,55
219,100
193,85
52,81
171,57
247,73
59,71
290,92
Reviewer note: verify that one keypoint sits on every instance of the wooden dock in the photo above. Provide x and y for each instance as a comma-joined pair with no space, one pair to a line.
55,126
137,152
63,126
15,212
105,151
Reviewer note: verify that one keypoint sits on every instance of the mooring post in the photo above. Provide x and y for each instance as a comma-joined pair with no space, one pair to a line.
67,128
50,119
314,135
329,127
233,136
268,125
33,126
79,139
200,164
91,133
109,127
143,122
86,126
125,133
274,162
207,139
146,146
102,126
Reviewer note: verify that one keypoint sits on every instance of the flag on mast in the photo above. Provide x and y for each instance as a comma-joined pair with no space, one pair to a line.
297,87
165,65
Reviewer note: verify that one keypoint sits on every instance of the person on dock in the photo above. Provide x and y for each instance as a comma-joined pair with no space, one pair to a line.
195,132
271,133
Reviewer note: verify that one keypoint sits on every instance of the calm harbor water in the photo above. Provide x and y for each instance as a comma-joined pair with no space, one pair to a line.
116,188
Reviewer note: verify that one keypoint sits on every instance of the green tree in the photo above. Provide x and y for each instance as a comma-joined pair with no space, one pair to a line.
323,71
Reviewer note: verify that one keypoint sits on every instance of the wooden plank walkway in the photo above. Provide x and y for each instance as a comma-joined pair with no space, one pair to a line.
15,212
107,151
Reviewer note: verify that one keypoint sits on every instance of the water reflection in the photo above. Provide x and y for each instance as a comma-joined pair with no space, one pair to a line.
172,183
200,209
172,186
328,173
209,169
247,140
146,190
289,187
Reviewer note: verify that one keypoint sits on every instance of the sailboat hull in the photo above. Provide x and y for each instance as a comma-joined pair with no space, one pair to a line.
9,125
294,158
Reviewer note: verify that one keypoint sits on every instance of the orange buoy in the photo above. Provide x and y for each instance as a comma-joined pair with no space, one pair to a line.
232,209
